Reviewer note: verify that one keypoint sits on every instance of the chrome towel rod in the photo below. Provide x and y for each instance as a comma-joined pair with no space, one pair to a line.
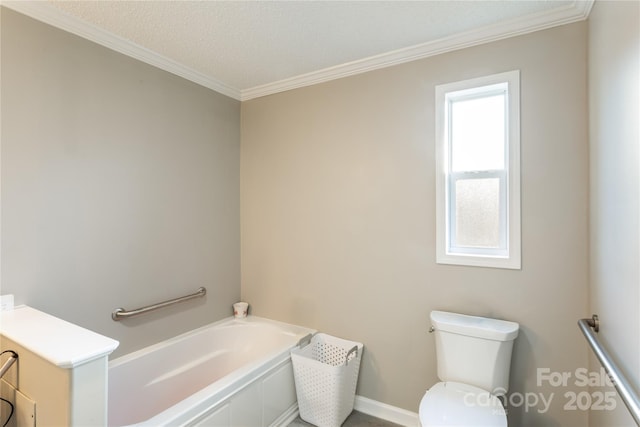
121,313
626,391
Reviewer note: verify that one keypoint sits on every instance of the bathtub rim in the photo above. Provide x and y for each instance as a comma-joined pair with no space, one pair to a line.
250,319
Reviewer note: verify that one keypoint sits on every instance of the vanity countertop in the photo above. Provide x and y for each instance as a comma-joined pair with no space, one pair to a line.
60,342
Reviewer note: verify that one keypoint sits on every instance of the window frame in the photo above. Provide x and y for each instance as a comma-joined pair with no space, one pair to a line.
509,256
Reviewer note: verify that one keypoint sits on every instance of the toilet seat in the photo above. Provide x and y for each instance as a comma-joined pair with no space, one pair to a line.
456,404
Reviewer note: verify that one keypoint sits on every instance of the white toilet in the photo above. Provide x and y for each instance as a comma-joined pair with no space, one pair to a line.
474,358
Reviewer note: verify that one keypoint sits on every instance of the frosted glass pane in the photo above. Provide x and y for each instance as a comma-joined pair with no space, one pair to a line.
477,213
478,134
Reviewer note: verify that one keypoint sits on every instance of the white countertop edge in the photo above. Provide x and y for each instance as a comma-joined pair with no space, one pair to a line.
61,343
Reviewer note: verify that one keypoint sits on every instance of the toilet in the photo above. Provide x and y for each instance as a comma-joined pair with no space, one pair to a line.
474,357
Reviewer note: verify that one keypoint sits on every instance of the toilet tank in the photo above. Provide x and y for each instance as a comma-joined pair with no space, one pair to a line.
474,350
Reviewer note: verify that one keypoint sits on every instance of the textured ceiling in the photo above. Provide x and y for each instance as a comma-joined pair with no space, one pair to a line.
248,44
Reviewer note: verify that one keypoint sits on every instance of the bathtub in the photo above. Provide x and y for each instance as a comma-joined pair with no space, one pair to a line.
235,372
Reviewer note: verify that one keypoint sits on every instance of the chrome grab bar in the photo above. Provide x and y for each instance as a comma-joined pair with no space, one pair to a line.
626,391
121,313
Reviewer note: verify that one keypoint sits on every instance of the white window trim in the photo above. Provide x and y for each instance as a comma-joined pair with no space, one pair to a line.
443,256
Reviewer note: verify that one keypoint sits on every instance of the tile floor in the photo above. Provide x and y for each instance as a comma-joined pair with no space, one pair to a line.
356,419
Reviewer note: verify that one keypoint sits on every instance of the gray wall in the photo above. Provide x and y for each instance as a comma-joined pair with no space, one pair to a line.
120,186
338,217
614,109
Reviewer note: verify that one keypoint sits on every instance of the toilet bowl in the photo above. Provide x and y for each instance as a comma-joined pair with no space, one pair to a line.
457,404
474,358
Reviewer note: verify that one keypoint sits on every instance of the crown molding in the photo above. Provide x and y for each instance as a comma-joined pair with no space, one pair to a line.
44,12
577,11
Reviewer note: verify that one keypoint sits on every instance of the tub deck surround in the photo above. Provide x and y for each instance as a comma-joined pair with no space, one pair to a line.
231,372
62,343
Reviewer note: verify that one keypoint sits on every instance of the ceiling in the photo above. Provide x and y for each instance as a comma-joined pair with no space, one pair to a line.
247,49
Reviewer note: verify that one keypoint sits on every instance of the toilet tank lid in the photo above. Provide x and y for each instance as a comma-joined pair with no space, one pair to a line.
481,327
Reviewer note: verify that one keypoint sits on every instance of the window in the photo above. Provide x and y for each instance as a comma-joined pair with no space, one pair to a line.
478,171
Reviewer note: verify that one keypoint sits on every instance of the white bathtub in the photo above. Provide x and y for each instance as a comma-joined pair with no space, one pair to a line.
229,373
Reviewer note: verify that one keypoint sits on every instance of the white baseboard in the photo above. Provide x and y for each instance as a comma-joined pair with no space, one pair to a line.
366,406
386,412
287,417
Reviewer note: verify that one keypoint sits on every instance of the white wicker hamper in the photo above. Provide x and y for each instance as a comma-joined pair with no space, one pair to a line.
326,374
